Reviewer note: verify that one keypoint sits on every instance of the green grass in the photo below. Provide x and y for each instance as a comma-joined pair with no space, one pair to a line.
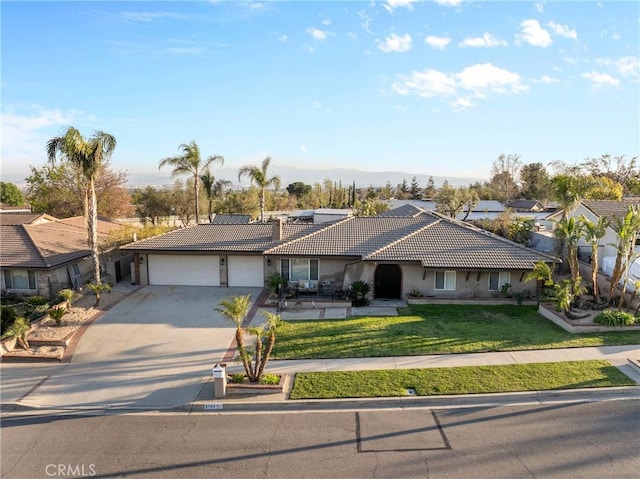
462,380
435,329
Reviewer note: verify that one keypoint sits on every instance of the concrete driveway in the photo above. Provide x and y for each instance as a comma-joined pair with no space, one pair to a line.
155,348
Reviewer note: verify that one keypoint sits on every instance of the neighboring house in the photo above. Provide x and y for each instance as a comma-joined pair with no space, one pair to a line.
593,210
429,252
12,219
485,209
5,208
321,215
531,206
44,257
221,219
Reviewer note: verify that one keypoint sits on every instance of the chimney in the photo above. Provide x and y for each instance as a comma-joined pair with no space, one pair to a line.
276,235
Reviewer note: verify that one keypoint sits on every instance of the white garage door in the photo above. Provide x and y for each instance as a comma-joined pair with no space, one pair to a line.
246,271
184,270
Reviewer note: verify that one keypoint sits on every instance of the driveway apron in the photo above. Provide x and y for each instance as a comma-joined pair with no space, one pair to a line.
155,348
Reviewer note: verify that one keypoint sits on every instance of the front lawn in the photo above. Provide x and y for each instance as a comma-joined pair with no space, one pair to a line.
462,380
435,329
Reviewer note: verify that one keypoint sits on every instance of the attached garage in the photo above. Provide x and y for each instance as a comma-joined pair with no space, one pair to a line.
184,270
246,271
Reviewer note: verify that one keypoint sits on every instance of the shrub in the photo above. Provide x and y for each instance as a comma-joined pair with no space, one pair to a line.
415,293
616,318
237,378
57,314
9,314
358,293
19,330
68,296
270,378
35,307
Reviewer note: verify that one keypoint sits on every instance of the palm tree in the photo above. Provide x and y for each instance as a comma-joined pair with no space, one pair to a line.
627,230
212,189
593,233
236,310
190,163
87,156
569,232
260,178
269,328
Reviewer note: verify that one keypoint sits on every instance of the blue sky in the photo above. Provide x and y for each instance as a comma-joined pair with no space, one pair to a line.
439,88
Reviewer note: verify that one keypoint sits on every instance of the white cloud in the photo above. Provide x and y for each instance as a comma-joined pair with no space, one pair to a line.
439,43
392,4
598,80
317,34
326,21
461,103
533,34
396,43
148,17
626,66
539,6
486,40
449,3
563,30
480,80
283,38
303,149
24,136
548,80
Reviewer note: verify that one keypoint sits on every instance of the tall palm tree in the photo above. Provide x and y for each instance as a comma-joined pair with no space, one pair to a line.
212,189
87,155
236,309
593,233
191,163
569,232
627,230
260,177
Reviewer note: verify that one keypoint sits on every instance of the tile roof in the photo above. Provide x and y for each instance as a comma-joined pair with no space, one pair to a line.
46,245
356,236
9,219
252,237
610,209
450,244
407,210
430,239
231,219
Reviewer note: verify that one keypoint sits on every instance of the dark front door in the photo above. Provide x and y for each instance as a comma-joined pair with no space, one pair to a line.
118,272
388,281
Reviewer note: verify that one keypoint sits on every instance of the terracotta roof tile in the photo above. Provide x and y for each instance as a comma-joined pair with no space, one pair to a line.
610,209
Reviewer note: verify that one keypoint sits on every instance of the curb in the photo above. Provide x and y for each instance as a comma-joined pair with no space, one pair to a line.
222,406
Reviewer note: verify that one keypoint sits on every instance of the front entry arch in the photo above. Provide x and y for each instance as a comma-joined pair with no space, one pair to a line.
388,282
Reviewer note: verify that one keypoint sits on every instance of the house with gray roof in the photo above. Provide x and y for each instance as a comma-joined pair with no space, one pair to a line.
436,255
44,255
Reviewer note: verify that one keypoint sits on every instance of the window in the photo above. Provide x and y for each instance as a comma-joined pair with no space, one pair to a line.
295,269
19,279
497,279
446,280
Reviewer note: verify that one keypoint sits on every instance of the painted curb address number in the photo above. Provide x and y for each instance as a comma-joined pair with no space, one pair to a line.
212,405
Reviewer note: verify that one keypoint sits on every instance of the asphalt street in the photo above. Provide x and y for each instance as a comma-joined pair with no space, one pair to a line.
585,440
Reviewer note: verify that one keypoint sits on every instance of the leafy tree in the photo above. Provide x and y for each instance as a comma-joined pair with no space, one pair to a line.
59,190
431,190
604,188
88,156
213,189
453,201
10,194
299,189
535,182
190,163
504,173
402,190
616,168
541,272
151,205
260,177
182,202
415,192
369,207
385,193
593,233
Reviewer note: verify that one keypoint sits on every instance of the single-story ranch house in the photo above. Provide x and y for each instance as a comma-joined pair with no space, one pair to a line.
397,253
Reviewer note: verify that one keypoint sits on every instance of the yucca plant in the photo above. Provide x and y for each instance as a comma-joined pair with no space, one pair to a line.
98,289
57,314
68,296
358,293
19,330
